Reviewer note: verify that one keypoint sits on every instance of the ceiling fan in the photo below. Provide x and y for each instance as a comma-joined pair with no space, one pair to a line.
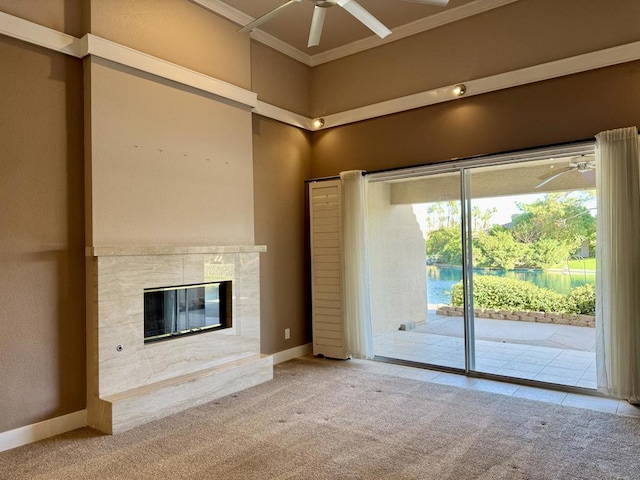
320,10
584,164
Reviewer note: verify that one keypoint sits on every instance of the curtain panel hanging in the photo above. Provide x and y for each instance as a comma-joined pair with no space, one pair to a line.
356,301
618,263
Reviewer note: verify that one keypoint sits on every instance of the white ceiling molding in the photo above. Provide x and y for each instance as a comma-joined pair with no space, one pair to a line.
284,116
33,33
242,19
225,10
147,63
30,32
282,47
413,28
419,26
546,71
92,45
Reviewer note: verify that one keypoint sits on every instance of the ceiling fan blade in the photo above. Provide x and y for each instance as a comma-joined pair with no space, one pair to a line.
442,3
316,26
267,16
554,172
358,11
555,175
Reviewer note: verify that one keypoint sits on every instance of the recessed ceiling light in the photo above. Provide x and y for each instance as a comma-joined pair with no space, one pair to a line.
318,123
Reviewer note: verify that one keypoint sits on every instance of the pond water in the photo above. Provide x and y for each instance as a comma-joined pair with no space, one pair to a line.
440,280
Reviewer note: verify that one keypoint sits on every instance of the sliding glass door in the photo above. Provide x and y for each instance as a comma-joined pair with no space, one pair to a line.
533,257
415,251
488,266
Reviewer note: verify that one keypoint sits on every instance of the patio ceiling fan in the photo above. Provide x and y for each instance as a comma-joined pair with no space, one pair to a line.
584,164
320,10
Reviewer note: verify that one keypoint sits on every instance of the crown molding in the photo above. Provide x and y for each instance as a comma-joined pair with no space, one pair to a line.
241,18
225,10
100,47
403,31
546,71
33,33
282,47
283,115
93,45
409,29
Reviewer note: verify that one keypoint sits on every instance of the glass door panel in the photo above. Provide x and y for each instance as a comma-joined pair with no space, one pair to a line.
415,252
533,236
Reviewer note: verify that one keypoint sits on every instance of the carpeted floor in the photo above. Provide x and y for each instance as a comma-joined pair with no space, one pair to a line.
326,420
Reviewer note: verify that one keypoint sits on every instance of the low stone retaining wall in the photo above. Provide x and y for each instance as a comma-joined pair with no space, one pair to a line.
538,317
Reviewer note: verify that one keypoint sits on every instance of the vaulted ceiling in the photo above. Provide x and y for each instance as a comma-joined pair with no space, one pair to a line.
341,29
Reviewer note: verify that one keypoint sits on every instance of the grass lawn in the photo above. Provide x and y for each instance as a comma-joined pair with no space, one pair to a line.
586,264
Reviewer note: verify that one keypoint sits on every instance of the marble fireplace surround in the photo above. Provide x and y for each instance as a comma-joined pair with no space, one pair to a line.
129,382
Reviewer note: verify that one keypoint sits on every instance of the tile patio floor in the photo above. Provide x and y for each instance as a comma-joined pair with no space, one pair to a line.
548,353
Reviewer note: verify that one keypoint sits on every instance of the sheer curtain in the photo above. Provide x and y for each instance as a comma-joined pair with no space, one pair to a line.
618,264
357,304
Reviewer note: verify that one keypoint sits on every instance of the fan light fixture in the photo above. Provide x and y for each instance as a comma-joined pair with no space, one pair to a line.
584,164
320,11
318,123
459,90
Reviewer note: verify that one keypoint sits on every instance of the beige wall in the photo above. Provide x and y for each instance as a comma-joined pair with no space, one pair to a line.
178,31
521,34
171,165
560,110
282,161
42,323
41,190
66,16
280,80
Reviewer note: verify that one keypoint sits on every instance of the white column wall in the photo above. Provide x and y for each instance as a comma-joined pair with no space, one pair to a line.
397,263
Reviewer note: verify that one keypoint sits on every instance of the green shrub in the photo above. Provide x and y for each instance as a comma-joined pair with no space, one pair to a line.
582,300
499,293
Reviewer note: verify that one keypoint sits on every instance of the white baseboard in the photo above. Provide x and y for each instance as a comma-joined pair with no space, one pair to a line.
295,352
41,430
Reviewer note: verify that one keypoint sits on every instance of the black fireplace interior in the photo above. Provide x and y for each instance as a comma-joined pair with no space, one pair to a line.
170,312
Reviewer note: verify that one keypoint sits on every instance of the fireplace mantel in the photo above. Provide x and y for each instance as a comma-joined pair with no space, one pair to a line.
122,251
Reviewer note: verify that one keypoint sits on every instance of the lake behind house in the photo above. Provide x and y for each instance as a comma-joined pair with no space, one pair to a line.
440,279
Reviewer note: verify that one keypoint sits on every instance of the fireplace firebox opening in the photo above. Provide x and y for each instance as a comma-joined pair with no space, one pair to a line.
171,312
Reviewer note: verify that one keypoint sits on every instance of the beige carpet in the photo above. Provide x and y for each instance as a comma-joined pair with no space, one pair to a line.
332,420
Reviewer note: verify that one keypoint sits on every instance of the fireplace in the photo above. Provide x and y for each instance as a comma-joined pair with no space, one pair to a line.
139,296
171,312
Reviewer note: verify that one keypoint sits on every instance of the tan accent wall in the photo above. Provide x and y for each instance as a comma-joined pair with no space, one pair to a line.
560,110
42,327
170,165
521,34
280,80
66,16
282,161
178,31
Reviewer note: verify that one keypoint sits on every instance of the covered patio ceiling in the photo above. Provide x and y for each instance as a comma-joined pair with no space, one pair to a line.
495,181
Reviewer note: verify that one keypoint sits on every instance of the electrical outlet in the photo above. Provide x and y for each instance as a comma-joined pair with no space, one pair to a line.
287,333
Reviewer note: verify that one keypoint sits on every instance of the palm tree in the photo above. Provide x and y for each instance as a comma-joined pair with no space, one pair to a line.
486,216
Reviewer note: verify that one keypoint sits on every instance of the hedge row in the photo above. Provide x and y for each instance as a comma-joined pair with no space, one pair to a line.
501,293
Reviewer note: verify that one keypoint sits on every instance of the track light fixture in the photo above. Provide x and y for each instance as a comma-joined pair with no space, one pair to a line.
459,90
